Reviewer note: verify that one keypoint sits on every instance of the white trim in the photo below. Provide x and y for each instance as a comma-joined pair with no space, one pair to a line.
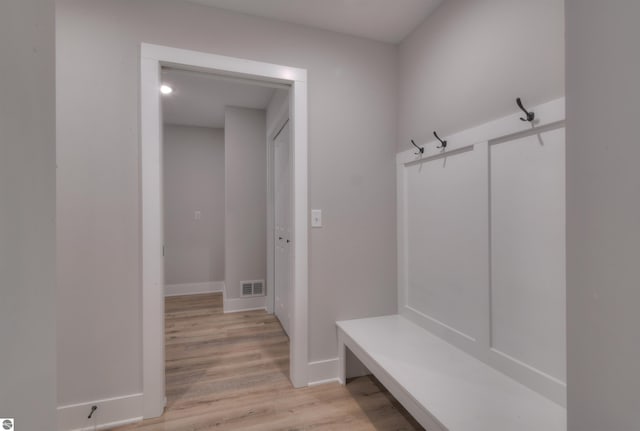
324,382
282,119
321,372
549,115
299,324
250,303
111,412
152,58
270,297
231,66
541,382
152,259
193,288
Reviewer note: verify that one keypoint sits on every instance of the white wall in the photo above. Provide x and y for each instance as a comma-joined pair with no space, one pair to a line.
246,197
603,214
351,139
469,61
27,214
193,181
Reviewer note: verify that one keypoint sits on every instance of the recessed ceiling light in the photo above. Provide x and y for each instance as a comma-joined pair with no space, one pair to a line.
165,89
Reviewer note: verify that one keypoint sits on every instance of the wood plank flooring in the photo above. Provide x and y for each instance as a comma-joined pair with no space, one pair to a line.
230,372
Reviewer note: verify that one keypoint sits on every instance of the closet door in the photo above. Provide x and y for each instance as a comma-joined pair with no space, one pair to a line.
282,231
527,177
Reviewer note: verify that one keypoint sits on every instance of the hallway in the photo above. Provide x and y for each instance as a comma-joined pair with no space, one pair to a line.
229,372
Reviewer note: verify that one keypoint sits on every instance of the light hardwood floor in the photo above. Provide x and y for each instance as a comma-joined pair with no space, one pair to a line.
229,372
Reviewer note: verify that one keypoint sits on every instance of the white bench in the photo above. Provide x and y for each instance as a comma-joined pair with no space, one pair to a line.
443,387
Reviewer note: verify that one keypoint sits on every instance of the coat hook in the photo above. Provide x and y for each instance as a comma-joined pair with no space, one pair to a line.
530,115
420,149
443,144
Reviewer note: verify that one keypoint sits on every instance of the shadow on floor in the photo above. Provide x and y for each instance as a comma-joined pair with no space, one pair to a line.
379,405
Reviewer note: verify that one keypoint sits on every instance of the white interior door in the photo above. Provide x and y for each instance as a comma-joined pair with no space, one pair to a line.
282,229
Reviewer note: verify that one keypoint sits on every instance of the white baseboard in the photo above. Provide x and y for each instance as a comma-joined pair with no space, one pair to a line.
111,412
234,305
327,371
193,288
321,372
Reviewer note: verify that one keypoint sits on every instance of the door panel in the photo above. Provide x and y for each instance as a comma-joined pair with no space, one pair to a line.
282,229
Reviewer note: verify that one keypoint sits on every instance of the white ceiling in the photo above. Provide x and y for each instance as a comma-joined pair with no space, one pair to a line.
383,20
199,99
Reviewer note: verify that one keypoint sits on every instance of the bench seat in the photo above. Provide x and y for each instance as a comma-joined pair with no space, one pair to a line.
443,387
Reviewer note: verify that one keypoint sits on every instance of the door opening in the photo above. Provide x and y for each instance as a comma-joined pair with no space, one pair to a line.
153,57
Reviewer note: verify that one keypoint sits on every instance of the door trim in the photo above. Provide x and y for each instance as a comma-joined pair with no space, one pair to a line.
283,119
273,147
152,311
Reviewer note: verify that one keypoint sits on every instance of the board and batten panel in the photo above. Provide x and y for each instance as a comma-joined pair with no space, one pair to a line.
447,240
528,294
481,245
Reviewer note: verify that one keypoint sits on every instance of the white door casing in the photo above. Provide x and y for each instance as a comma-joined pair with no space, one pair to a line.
153,57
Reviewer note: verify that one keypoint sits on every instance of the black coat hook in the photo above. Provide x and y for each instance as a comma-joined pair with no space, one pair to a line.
93,409
443,144
420,149
530,115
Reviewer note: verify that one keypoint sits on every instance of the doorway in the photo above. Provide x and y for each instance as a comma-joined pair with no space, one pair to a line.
153,57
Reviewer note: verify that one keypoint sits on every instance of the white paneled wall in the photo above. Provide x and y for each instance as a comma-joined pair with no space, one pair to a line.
482,245
528,251
446,238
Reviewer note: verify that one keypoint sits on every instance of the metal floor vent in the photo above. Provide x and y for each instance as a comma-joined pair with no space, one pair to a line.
252,288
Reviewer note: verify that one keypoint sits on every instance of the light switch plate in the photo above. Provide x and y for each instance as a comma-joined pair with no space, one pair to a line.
316,218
